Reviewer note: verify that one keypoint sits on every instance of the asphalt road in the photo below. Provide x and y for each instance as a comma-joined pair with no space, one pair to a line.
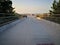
32,32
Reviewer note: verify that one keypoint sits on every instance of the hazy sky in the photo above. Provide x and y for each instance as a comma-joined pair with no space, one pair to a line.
32,6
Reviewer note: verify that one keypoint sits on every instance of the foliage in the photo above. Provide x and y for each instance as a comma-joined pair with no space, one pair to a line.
6,12
6,6
55,8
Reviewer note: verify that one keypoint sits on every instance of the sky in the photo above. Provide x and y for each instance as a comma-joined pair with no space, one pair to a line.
32,6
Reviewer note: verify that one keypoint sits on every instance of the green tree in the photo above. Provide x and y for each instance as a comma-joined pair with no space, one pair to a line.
55,8
6,10
6,6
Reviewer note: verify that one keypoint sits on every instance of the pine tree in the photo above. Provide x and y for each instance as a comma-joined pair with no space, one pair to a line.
58,8
55,8
6,6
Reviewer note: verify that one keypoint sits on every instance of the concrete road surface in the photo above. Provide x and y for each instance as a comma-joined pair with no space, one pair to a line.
32,32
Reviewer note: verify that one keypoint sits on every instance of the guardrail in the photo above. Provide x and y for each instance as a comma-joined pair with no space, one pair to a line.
4,19
6,13
10,24
56,15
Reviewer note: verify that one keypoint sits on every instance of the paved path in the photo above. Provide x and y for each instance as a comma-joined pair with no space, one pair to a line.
31,32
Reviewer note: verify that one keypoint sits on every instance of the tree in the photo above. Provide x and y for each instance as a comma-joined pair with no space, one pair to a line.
6,12
58,8
55,8
6,6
